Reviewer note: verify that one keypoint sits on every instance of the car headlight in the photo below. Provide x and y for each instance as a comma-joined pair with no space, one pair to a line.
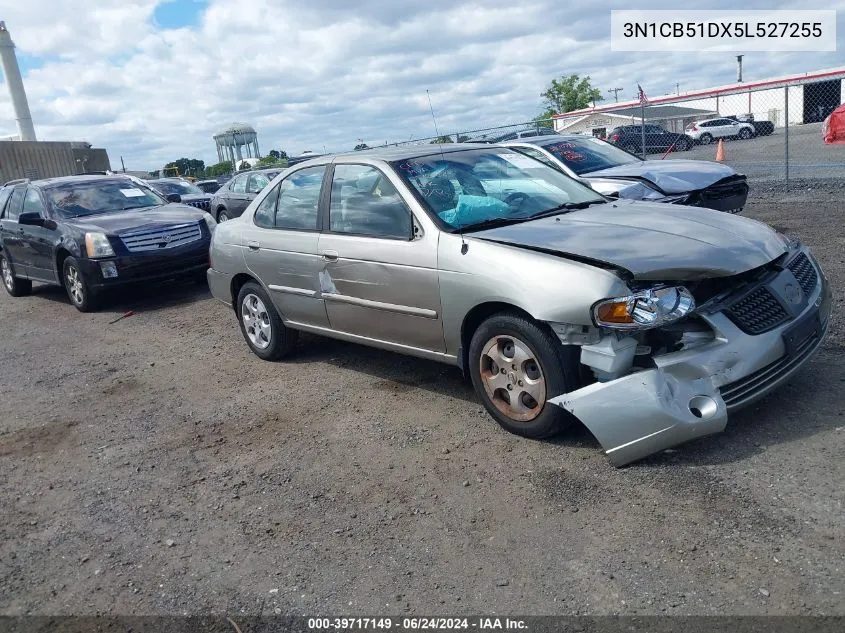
98,245
210,222
644,310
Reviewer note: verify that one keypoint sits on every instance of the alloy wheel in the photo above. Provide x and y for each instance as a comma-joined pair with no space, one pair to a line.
8,280
513,378
256,321
74,285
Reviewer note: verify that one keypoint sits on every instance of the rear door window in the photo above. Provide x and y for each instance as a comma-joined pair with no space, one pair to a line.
13,208
5,194
299,198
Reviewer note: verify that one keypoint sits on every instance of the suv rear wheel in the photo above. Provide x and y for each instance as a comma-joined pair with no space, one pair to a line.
516,366
15,286
706,139
745,134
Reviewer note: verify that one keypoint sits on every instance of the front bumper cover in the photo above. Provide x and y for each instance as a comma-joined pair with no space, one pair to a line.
682,397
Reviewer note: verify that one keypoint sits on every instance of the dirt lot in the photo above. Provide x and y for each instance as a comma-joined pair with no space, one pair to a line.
156,466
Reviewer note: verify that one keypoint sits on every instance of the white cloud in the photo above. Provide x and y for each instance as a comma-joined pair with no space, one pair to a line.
313,73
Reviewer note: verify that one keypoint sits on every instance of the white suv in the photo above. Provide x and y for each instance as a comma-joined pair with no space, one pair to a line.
706,131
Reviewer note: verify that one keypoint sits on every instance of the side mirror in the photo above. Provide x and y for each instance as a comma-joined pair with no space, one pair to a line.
173,197
35,219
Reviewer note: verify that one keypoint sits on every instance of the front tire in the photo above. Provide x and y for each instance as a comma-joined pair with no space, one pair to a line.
631,149
706,139
685,144
77,287
516,366
261,325
15,286
222,216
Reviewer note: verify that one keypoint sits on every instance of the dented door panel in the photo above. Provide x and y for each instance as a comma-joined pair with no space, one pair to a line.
384,289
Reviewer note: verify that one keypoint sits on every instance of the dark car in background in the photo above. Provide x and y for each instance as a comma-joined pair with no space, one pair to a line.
93,233
657,139
233,197
188,192
208,186
618,174
761,128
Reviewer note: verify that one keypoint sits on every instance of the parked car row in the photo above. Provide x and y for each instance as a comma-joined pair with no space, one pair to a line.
567,278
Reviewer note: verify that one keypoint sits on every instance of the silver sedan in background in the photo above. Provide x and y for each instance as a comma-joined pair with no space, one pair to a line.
647,322
616,173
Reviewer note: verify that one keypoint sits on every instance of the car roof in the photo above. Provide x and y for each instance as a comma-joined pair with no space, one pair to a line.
81,179
548,139
389,154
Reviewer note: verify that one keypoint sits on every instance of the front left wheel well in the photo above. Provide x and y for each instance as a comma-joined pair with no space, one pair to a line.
61,255
476,317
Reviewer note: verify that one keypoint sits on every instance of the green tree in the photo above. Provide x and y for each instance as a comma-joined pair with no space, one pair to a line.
361,146
442,139
219,169
278,154
462,138
567,94
186,166
244,165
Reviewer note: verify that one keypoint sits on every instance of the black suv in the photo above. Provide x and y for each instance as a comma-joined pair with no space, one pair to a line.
232,198
189,192
630,138
91,233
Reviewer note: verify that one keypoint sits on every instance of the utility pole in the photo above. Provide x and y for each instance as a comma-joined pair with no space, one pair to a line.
615,91
678,89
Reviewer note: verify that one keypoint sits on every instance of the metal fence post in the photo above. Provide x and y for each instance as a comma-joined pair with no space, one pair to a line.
786,136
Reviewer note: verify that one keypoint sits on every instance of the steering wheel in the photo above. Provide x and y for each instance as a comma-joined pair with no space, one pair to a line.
511,200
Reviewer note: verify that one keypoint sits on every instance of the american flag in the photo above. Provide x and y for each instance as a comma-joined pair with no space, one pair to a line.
641,95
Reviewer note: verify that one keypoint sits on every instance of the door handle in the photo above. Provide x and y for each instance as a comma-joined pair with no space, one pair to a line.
330,256
253,245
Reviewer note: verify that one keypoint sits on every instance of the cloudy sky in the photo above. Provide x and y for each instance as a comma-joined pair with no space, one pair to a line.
153,80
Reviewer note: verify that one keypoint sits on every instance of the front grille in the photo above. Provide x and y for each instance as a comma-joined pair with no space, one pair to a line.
758,312
205,205
738,392
152,239
804,272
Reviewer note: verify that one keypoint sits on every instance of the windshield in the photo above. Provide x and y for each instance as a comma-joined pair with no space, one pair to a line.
173,186
75,199
583,155
472,187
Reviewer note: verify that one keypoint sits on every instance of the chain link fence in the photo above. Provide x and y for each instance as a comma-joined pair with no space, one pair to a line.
771,131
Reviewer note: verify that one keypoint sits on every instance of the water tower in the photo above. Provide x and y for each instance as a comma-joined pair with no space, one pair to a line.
230,141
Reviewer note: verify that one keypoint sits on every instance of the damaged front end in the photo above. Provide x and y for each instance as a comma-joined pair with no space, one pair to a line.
669,362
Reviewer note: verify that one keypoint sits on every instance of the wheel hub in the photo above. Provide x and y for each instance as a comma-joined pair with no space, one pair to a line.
74,284
512,378
256,321
7,273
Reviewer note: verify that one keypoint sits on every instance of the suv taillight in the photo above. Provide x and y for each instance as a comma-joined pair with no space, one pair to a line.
693,127
613,137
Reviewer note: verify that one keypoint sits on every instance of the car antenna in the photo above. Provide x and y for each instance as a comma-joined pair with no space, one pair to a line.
464,245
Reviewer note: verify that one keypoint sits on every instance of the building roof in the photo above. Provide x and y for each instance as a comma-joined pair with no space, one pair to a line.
661,112
727,89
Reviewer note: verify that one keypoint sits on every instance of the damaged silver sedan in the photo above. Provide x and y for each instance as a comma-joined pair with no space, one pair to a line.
647,322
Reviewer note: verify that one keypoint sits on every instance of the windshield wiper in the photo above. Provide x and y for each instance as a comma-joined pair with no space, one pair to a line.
562,208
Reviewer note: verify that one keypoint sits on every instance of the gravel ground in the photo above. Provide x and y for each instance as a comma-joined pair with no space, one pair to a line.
155,466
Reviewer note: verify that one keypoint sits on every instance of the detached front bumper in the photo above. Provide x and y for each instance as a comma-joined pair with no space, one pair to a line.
689,393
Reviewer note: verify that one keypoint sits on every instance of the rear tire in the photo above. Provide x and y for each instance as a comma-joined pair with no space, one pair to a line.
745,134
15,286
222,216
705,139
685,144
516,366
77,287
261,325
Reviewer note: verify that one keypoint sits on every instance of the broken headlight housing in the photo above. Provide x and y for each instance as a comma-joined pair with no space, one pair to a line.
645,309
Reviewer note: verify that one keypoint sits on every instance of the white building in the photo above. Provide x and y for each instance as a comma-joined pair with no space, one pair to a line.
811,97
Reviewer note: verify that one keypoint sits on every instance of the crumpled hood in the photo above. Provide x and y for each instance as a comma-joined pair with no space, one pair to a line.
671,176
114,223
652,241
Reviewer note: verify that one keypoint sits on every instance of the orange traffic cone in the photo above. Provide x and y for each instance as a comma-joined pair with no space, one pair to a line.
720,151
